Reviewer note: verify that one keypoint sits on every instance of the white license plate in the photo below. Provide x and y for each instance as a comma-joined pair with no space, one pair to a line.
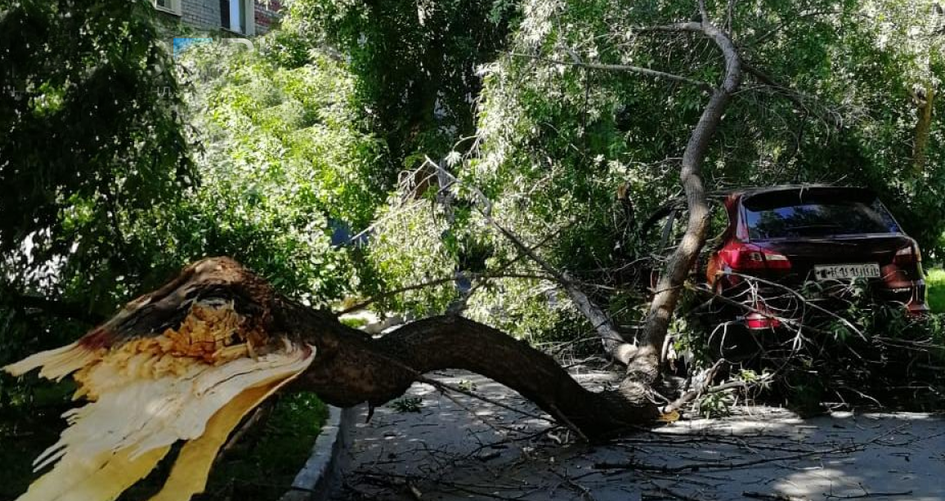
842,271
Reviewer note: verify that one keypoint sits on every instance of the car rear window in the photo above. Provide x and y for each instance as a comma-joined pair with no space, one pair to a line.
814,216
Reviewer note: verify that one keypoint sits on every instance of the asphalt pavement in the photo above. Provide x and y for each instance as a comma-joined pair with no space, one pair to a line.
449,446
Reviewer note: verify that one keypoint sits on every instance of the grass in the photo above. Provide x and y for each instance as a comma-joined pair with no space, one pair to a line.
935,280
260,467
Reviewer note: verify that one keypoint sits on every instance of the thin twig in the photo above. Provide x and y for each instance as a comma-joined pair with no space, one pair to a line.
796,97
610,336
692,395
634,465
434,282
446,387
868,494
804,300
619,68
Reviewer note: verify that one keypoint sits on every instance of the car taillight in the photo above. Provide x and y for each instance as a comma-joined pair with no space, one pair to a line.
908,255
748,257
757,320
777,261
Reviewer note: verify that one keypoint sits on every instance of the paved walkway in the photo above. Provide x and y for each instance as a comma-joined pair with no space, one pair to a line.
457,447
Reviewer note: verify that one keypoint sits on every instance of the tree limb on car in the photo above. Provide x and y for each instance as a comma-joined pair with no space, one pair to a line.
645,364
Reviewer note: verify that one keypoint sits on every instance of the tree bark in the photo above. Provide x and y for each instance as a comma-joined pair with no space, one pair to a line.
923,128
644,367
351,367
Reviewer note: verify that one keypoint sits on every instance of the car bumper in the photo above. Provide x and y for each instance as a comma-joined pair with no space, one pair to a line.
770,307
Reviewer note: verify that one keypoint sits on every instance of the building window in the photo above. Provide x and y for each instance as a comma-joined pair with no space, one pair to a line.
172,6
238,16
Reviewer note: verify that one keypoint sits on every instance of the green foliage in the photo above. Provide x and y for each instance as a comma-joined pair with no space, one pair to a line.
284,160
281,162
531,309
466,385
92,141
415,68
892,321
412,227
891,357
354,322
92,148
415,64
935,281
92,135
715,405
407,404
870,353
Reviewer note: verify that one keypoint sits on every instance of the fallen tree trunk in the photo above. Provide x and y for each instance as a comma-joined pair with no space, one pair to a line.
188,361
352,367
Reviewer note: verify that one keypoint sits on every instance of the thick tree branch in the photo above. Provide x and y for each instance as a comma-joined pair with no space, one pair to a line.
645,365
351,367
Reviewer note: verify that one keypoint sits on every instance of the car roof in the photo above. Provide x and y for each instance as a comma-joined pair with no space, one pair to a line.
820,189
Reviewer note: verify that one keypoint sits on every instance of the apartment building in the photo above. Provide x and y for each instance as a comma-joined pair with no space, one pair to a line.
240,17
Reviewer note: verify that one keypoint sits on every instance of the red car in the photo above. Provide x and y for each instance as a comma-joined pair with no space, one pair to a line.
812,238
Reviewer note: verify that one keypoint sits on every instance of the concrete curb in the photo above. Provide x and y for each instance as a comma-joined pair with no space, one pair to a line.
314,480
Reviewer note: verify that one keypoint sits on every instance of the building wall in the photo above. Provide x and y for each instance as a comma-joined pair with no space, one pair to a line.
267,16
201,14
205,14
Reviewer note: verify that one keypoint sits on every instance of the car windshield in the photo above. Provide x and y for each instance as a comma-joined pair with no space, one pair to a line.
816,216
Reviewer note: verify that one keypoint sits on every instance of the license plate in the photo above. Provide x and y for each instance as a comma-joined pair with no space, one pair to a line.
842,271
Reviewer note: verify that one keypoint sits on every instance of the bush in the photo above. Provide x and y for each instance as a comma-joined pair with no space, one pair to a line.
935,280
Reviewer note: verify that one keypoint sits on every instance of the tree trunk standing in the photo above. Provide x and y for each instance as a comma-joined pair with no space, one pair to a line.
644,367
923,128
